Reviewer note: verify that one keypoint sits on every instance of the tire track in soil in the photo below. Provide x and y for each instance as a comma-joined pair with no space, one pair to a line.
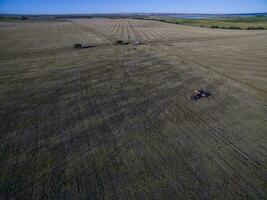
120,29
160,107
144,35
216,133
106,36
148,117
153,34
137,31
132,29
262,92
163,34
173,35
137,34
31,183
130,33
213,132
124,30
114,29
191,62
107,27
111,29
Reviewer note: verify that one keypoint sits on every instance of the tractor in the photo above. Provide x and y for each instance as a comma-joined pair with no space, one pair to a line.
198,94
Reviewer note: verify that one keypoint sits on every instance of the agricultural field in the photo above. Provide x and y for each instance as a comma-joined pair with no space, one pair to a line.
145,30
243,23
117,121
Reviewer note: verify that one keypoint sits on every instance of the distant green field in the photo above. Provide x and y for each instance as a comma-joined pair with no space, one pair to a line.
244,23
225,23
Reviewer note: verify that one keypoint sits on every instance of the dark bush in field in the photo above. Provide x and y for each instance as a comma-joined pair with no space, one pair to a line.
23,18
255,28
234,27
121,42
230,27
84,46
140,18
162,20
77,46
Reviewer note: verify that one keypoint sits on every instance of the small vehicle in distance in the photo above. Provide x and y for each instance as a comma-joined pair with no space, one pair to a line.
198,94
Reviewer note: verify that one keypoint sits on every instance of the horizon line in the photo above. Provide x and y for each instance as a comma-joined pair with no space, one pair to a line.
118,13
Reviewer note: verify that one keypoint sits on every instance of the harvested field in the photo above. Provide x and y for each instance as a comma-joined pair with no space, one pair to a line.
36,36
117,122
144,30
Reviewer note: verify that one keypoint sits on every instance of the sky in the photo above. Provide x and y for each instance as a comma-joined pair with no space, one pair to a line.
131,6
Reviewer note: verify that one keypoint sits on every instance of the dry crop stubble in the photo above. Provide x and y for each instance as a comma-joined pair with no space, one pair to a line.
117,122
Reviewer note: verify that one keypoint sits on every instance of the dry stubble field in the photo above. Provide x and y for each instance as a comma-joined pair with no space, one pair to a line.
117,122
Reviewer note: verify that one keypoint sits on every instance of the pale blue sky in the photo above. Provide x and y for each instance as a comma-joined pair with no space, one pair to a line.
131,6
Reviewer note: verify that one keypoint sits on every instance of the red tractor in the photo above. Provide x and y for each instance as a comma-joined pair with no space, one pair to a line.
198,94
